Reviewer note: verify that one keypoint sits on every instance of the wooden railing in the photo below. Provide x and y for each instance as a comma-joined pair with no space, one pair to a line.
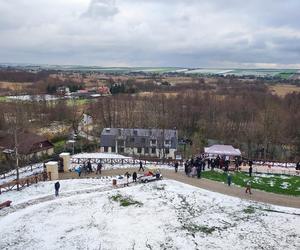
25,182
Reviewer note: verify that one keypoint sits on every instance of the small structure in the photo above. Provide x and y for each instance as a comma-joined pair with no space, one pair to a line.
66,161
52,169
29,144
227,150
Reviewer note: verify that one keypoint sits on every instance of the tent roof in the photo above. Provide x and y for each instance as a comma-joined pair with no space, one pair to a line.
222,150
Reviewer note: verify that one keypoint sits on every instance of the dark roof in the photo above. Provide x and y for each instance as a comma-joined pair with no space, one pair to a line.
28,143
168,133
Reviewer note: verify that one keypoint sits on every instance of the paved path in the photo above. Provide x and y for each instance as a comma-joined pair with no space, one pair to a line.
260,196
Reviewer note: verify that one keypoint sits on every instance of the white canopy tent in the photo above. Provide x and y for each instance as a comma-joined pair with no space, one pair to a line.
227,150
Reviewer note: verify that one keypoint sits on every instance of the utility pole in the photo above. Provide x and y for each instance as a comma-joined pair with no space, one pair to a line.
16,154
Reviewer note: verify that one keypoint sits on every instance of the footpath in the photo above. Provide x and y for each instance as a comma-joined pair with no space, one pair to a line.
257,195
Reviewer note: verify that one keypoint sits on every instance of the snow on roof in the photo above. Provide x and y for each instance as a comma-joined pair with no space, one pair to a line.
222,150
99,156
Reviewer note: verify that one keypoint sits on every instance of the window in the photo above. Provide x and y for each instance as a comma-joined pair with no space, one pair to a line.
120,150
153,150
132,139
167,151
153,141
135,132
167,142
121,142
113,149
139,150
105,149
146,150
143,140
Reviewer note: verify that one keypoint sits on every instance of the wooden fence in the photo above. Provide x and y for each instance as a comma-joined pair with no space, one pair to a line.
25,182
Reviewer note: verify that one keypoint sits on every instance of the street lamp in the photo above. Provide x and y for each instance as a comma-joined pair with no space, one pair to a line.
73,143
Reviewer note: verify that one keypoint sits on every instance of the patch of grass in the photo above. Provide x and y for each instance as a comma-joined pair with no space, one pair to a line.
289,185
249,210
3,98
125,201
79,102
193,228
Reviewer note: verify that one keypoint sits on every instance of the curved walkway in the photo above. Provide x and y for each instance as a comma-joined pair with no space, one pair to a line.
259,196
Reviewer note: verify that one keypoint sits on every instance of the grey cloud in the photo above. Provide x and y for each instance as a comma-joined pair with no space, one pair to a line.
206,33
101,9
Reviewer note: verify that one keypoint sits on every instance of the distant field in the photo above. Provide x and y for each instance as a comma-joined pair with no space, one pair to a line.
284,89
3,98
13,85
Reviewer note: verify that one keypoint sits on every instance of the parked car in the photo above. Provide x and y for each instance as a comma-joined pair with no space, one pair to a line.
150,177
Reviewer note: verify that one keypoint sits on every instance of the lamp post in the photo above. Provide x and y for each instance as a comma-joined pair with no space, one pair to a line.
17,157
73,143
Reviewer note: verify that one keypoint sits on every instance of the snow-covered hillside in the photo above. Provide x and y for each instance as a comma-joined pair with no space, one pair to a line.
90,214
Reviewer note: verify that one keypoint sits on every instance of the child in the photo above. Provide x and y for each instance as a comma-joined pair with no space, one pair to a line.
248,187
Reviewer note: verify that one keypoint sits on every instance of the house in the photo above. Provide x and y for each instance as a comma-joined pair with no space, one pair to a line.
29,144
158,143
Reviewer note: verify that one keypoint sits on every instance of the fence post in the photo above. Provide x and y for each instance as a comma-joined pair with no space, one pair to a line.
27,182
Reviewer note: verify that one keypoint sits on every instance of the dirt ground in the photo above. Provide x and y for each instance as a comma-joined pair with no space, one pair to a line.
259,196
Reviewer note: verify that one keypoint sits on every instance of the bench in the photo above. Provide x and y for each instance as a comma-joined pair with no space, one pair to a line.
5,204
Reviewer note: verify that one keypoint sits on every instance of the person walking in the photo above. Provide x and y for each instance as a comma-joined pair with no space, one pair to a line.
250,168
199,170
176,166
99,168
213,164
79,170
56,187
127,175
186,168
229,179
208,163
248,187
134,176
89,166
141,166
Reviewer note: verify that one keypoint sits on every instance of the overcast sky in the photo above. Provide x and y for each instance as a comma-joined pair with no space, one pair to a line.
184,33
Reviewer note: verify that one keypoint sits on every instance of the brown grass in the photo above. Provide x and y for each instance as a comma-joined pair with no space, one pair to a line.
283,89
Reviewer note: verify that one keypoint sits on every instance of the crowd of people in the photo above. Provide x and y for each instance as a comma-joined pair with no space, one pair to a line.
195,166
86,168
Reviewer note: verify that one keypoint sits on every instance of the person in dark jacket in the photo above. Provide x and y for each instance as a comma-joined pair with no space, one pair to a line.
250,168
213,164
134,176
99,168
141,166
298,166
56,187
176,166
186,168
199,170
208,163
217,162
229,179
89,166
